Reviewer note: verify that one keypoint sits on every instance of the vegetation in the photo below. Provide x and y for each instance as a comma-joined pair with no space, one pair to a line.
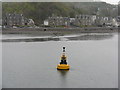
42,10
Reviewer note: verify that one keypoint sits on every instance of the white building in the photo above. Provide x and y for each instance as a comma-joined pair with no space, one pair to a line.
115,23
46,23
31,22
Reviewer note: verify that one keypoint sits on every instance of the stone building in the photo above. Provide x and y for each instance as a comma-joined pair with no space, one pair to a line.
58,21
72,21
10,20
79,21
118,20
84,20
103,21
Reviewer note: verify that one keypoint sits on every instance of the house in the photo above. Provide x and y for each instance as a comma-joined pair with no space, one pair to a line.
31,22
115,23
57,21
84,20
118,21
10,20
103,21
72,21
46,23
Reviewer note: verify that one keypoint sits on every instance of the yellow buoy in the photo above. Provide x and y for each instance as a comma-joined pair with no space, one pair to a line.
63,64
63,67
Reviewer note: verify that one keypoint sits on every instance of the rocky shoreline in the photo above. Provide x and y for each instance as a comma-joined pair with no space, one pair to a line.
58,31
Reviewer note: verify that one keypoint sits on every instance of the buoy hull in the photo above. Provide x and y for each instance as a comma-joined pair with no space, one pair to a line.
63,67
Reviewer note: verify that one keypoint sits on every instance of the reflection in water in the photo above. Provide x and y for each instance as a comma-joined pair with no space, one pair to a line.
63,76
85,36
63,73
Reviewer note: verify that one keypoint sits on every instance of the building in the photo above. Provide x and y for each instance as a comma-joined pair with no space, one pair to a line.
57,21
80,21
30,22
103,21
84,20
46,23
118,21
115,23
10,20
72,21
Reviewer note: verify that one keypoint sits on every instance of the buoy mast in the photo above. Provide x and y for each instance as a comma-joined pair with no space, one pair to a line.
63,57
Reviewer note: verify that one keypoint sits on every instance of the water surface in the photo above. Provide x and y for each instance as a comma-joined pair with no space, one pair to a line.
30,61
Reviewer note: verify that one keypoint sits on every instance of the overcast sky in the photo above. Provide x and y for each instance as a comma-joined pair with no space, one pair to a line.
108,1
112,1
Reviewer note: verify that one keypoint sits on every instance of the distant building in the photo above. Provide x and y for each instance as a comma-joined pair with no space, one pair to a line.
31,22
103,21
10,20
57,21
118,20
115,23
81,21
72,21
85,20
46,23
106,20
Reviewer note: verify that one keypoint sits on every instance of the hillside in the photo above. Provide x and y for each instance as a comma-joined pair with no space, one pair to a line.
42,10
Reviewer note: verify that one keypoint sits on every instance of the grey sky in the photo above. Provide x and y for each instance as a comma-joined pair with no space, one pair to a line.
112,1
108,1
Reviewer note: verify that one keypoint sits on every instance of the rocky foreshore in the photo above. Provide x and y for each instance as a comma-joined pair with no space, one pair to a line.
58,31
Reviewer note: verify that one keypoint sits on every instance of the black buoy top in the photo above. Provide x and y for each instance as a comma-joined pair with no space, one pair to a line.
63,49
